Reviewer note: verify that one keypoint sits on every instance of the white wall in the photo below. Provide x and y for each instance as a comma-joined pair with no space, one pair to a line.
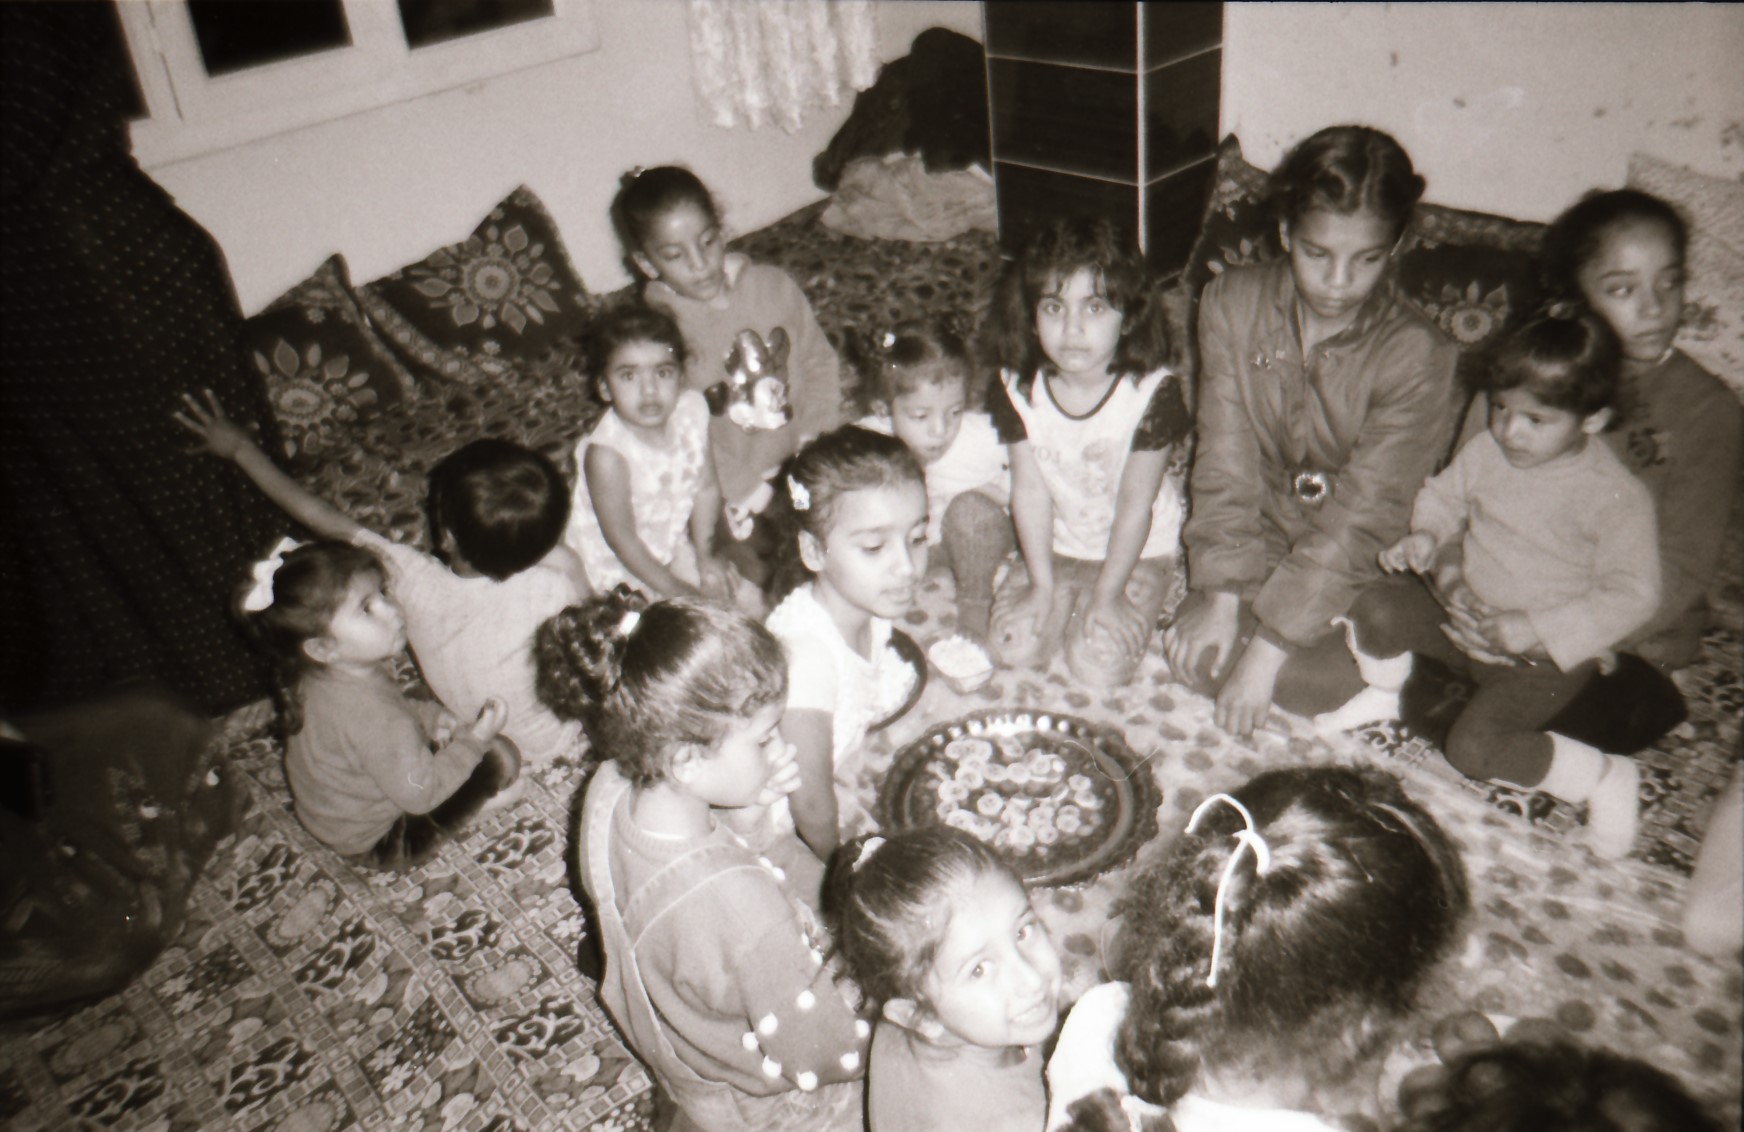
387,187
1508,108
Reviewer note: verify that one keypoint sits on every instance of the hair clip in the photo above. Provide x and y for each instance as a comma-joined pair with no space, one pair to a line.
1561,309
872,845
628,622
635,172
887,340
260,594
1248,837
801,496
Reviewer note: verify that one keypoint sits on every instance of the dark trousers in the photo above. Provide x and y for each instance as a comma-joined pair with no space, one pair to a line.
1501,731
415,838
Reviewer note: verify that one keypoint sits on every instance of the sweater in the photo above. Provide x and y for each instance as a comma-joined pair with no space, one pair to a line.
913,1085
362,758
1373,408
1570,543
760,298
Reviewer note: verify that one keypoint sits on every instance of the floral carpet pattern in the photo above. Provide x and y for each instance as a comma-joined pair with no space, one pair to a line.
304,995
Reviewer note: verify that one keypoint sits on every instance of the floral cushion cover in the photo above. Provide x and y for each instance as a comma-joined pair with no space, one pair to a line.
326,370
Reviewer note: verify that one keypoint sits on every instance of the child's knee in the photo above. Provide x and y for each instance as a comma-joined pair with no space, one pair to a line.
975,516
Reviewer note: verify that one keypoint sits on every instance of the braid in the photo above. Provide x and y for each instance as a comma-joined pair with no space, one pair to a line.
1167,945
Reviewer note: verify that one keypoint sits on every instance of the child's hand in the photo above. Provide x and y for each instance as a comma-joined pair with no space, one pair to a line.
1466,616
1512,631
714,579
1415,552
218,434
1020,623
447,723
1203,634
783,773
491,718
1118,618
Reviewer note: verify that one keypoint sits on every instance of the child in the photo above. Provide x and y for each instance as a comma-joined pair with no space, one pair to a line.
859,502
1324,403
938,932
1269,954
372,774
497,512
671,233
645,476
915,382
714,967
1097,429
1550,1084
1679,427
1543,554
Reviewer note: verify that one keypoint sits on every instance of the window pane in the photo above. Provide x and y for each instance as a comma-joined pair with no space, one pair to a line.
436,21
237,34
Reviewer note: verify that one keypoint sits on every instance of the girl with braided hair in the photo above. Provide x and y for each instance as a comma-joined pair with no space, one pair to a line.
1266,957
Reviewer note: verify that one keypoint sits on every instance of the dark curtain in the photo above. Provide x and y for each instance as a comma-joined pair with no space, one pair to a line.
119,551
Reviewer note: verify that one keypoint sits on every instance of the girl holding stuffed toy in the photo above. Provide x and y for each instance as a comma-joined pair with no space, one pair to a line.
672,235
1325,401
646,497
916,381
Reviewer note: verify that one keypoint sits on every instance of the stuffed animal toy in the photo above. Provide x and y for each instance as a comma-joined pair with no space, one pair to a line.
754,395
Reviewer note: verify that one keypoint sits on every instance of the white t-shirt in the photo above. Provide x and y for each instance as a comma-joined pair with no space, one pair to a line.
975,459
664,480
1082,457
473,639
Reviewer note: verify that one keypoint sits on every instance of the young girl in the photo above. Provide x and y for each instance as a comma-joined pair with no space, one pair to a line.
915,385
1324,403
1544,558
1097,431
647,500
714,968
859,502
1678,427
372,774
938,932
671,234
1266,957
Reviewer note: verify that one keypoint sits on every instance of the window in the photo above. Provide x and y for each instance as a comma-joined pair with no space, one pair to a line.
221,73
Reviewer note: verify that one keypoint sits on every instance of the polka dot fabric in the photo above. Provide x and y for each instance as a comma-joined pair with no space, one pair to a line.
120,549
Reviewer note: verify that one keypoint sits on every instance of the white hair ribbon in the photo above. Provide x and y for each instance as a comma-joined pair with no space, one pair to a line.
627,624
260,594
801,496
872,845
1248,837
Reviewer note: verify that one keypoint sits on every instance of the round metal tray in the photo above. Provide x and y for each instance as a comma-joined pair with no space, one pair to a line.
1125,792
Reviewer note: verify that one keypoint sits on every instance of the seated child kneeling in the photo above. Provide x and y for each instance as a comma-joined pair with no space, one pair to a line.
1268,956
916,385
1098,430
358,755
1544,557
646,498
714,966
937,930
496,514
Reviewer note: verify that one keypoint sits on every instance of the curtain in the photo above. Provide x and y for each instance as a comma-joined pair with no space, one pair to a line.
761,61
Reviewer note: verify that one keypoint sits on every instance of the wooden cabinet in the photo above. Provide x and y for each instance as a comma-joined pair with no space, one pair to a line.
1105,108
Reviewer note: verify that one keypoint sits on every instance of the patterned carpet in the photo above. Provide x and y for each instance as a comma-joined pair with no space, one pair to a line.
304,996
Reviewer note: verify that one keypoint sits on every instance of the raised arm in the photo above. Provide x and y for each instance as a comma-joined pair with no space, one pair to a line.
222,438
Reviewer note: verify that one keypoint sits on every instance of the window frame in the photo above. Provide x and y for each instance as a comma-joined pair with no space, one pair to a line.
190,113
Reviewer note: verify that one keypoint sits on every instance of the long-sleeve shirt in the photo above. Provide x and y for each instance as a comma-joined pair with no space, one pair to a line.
362,758
760,298
1679,432
1372,407
913,1085
1570,543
